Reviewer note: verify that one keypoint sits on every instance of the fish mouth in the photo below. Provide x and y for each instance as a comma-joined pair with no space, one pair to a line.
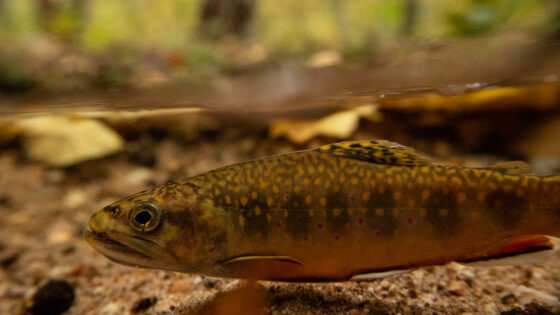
130,250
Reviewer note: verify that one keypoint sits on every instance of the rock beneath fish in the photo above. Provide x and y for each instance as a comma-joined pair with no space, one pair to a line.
54,297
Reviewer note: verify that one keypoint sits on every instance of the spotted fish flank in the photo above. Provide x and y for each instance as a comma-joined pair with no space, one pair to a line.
347,210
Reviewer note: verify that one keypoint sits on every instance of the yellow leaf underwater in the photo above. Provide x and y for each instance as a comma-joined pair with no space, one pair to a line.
339,125
62,141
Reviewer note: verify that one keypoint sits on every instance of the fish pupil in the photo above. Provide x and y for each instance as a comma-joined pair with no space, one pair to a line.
143,217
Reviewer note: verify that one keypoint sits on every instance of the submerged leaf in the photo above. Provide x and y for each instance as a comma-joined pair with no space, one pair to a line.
62,141
339,125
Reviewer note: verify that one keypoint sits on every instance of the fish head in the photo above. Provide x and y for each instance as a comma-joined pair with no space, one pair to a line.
173,227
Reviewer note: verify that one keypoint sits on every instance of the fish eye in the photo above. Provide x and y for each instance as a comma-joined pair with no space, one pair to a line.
145,217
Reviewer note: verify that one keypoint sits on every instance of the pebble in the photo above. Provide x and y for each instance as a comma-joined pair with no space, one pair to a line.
182,286
529,295
143,304
457,287
54,297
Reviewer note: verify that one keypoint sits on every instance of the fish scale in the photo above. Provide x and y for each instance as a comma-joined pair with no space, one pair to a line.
349,210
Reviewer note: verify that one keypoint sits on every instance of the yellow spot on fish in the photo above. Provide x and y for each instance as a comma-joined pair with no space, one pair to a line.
411,203
222,183
254,195
443,212
308,199
268,217
269,201
351,211
420,180
286,213
397,195
380,212
310,212
396,212
390,180
481,196
342,178
264,184
257,211
275,189
366,196
228,200
297,189
216,192
336,188
321,168
322,201
461,197
317,181
398,179
456,180
354,181
336,212
310,169
241,220
244,200
288,182
425,194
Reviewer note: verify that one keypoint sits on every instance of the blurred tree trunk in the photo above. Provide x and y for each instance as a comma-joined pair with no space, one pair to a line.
410,15
226,17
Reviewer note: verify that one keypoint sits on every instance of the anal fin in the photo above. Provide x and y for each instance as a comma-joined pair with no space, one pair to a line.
521,250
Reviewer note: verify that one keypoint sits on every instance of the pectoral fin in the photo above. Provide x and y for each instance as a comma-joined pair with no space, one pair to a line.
521,250
262,259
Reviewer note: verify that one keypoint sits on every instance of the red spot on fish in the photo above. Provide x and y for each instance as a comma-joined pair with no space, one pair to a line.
278,224
360,220
305,238
336,237
299,218
351,197
320,225
378,233
409,220
287,197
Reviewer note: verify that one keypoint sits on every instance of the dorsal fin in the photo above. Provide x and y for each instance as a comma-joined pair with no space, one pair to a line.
376,151
514,168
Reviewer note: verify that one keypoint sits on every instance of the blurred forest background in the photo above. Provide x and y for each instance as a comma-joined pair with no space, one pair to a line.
63,45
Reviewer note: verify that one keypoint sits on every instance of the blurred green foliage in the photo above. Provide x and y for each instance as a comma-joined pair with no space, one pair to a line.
295,29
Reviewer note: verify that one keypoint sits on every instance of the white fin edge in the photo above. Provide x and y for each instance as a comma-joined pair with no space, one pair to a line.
378,275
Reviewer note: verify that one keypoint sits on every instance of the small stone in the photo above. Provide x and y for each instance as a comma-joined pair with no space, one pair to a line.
55,297
143,304
457,287
490,309
529,295
181,286
508,299
209,283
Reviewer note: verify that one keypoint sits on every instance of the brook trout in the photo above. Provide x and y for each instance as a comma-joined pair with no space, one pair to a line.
345,211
